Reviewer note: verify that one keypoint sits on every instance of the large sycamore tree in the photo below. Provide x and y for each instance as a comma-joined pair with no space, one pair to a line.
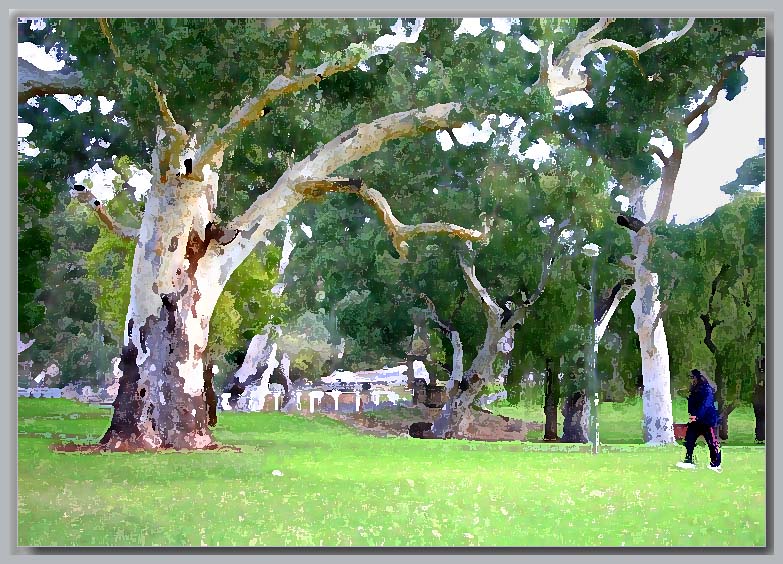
239,122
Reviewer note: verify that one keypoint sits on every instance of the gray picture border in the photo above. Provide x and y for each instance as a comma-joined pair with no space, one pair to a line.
407,8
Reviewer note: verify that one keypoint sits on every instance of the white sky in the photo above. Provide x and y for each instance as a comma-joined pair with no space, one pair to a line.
732,136
712,161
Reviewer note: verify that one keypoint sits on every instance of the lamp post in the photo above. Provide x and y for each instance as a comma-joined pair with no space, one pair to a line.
592,251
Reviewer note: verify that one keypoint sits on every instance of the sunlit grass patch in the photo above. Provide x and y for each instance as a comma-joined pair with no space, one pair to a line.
311,481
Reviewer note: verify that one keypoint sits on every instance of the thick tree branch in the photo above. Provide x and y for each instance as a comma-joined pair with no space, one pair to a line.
668,179
547,262
32,81
708,327
672,165
656,150
699,131
566,74
492,311
257,106
712,97
357,142
636,51
399,231
714,288
86,197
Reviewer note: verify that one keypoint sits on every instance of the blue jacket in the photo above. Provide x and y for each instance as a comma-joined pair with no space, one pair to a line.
701,403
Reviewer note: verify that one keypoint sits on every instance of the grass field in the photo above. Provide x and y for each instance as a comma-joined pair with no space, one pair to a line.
313,482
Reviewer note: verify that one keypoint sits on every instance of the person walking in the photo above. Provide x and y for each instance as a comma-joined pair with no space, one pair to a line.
702,421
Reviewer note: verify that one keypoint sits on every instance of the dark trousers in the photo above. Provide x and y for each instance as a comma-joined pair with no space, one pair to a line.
695,430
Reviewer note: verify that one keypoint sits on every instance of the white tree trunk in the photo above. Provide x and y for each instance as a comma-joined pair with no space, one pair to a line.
260,352
658,422
456,361
175,284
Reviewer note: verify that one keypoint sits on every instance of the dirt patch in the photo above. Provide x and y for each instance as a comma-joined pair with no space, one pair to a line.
485,426
93,448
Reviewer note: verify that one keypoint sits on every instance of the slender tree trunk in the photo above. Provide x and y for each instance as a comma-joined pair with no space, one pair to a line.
551,399
658,422
209,393
456,361
259,357
724,408
723,427
760,415
289,398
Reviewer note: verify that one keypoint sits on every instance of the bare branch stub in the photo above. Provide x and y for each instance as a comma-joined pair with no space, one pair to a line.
630,222
86,197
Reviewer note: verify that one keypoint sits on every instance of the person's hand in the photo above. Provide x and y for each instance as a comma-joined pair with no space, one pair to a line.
691,418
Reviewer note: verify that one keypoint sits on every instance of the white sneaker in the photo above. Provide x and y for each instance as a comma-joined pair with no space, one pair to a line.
686,465
717,469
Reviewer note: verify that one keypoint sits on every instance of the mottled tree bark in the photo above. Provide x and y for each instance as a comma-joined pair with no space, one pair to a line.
162,401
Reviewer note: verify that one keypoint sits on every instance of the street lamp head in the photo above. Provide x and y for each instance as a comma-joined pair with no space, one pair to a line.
591,250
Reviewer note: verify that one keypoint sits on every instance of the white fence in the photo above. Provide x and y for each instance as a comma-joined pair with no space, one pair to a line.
255,399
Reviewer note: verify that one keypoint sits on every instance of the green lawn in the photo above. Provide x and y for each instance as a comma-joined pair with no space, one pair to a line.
312,482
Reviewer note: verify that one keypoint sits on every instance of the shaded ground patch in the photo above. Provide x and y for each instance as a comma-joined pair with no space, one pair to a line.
485,426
